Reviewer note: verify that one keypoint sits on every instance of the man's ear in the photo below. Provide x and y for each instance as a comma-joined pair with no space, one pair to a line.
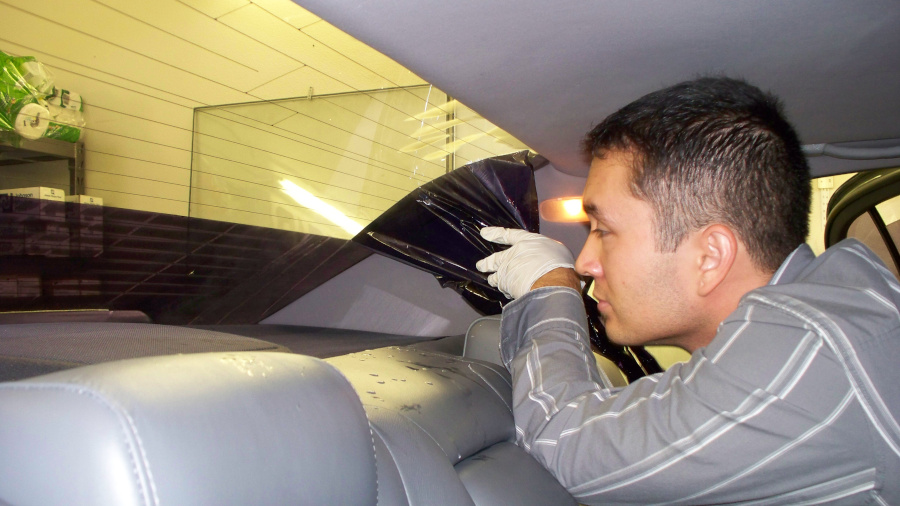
717,253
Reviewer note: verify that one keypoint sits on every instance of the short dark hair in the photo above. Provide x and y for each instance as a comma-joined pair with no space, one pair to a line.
714,150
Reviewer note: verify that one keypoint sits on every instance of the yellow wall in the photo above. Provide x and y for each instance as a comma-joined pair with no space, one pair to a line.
143,66
821,194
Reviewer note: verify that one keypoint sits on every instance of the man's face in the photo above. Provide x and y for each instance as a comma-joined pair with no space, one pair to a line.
642,293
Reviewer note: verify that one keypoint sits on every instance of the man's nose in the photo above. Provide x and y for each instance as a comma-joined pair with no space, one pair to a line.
588,261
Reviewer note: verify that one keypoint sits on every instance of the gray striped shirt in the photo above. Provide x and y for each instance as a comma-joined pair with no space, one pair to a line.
795,401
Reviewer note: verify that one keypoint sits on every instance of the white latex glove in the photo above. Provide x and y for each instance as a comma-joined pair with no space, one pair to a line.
530,257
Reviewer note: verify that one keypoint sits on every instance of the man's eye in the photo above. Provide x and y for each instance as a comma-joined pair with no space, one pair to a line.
599,232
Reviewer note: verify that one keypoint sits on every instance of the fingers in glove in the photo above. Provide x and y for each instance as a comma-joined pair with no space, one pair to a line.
494,280
487,264
502,235
493,262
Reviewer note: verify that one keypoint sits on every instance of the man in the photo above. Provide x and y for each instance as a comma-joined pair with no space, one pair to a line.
698,197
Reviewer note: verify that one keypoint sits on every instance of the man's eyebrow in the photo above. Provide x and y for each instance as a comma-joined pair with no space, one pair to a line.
597,213
592,210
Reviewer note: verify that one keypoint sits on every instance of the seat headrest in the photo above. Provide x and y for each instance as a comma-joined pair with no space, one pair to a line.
211,428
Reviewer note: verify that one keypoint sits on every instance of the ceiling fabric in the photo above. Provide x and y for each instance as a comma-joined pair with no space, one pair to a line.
547,71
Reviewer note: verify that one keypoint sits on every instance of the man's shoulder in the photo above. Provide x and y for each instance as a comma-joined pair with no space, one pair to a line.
848,266
847,285
847,257
845,300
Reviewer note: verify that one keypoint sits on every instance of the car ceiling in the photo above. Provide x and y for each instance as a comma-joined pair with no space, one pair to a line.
548,71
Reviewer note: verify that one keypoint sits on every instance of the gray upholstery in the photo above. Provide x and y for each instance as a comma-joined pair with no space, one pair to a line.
446,424
462,405
426,476
30,349
390,483
82,315
213,428
411,427
505,474
483,340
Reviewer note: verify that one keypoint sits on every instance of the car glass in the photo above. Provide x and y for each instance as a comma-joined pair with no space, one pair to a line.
864,229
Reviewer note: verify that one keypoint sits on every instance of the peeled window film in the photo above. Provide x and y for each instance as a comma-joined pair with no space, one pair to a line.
436,228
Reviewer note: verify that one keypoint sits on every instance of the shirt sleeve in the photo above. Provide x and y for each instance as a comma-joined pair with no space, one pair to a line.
722,427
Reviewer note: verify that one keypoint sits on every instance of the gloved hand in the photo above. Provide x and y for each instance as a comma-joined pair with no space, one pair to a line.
530,257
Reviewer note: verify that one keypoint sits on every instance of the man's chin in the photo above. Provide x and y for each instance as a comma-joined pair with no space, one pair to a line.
622,340
616,335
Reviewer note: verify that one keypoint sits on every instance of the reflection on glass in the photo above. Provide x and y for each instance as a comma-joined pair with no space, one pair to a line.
306,199
357,153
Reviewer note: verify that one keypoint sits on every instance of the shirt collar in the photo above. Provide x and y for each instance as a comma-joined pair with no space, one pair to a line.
793,265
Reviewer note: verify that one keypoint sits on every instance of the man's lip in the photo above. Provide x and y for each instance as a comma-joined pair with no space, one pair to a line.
602,304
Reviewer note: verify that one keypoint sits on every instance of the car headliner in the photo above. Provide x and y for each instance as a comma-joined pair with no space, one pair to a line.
547,71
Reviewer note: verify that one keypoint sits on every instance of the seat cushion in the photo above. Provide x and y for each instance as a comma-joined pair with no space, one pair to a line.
445,424
505,474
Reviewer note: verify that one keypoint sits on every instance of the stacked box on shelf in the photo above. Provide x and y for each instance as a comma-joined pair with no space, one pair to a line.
85,217
39,215
20,287
73,287
12,230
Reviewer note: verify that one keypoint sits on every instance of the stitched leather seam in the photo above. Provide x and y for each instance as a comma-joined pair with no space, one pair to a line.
135,449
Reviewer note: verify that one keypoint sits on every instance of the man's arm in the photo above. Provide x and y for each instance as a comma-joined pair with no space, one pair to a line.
561,276
732,424
735,423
